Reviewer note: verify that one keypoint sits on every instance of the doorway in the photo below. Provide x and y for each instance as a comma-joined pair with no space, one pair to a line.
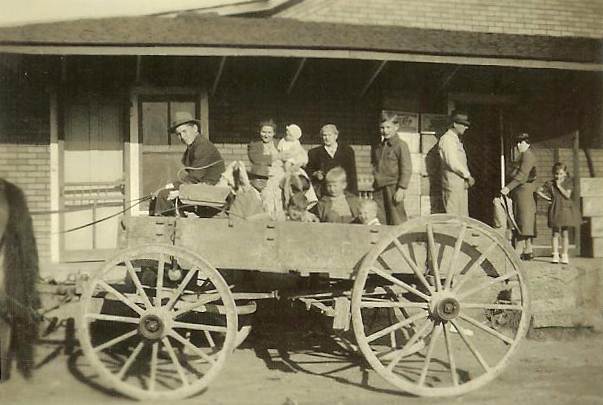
93,181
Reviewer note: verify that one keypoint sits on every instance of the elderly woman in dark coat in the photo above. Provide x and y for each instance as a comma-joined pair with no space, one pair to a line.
331,154
521,188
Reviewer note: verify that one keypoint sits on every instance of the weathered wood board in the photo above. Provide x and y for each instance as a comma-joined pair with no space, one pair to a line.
591,187
592,206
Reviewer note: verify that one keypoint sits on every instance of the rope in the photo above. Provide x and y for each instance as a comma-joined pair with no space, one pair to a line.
196,168
147,197
80,208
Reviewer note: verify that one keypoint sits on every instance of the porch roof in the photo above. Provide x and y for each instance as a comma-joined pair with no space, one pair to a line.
214,35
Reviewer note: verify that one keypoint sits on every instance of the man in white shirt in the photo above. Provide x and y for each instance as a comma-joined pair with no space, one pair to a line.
456,177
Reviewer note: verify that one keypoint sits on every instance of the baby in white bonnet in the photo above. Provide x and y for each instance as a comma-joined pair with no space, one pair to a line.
292,153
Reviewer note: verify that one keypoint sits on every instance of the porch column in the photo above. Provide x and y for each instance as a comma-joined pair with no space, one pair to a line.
55,177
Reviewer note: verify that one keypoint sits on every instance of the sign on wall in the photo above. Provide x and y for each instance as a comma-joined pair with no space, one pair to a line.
433,123
409,121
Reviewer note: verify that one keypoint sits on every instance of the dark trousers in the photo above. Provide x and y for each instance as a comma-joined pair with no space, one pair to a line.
160,205
390,212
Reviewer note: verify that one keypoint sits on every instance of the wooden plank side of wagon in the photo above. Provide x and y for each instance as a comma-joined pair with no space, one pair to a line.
279,247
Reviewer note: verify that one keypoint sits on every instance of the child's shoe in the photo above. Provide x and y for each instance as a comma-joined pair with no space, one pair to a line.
555,258
564,258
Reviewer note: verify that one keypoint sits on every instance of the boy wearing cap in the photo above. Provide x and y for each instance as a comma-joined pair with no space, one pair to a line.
201,159
456,177
392,168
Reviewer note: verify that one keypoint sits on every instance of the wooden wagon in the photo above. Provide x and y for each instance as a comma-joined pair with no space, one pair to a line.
437,305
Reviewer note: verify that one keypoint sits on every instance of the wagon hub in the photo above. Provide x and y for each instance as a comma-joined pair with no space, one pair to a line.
151,327
444,307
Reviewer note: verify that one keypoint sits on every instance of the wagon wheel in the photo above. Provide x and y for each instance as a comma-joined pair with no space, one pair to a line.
446,275
157,322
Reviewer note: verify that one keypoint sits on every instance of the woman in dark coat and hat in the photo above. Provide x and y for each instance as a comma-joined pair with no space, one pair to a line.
521,188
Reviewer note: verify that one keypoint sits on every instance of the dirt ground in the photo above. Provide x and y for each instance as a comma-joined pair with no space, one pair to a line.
293,365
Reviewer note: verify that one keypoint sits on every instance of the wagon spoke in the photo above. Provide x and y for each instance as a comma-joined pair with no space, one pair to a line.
160,270
486,329
474,266
153,373
396,326
198,303
470,346
390,304
194,348
455,256
210,340
451,362
113,318
124,369
201,327
430,348
402,352
485,285
172,354
180,289
433,256
400,283
477,305
137,283
116,340
412,265
120,297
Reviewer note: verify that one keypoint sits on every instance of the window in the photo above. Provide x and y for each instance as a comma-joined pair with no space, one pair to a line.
161,151
157,112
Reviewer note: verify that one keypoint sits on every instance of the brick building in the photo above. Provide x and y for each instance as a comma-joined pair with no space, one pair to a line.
96,95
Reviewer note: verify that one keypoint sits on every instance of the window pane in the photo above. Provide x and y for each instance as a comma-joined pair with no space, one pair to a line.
180,106
154,123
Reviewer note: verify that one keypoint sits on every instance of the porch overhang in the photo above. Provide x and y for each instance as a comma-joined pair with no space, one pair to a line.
116,50
278,37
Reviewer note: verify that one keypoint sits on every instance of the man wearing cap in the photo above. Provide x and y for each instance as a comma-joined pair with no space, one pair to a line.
201,159
456,177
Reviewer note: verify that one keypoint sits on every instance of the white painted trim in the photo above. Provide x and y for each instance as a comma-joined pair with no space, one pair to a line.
55,237
134,169
297,53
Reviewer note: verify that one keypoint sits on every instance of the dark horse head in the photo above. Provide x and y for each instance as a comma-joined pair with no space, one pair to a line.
18,298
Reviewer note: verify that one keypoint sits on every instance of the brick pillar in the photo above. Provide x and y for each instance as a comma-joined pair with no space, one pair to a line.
28,166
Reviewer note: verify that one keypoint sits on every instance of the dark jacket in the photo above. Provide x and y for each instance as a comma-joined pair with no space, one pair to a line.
325,214
524,169
260,163
391,163
319,159
201,153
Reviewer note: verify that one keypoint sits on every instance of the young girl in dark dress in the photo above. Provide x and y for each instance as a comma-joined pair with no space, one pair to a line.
563,215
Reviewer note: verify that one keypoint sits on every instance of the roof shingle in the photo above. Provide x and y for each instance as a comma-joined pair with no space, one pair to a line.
214,31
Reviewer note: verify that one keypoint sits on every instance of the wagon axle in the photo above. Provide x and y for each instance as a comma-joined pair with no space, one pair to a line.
151,327
444,306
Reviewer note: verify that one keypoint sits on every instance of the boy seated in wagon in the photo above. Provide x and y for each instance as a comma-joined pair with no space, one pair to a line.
337,205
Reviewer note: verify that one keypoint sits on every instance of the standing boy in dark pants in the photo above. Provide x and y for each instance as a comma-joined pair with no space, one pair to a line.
392,168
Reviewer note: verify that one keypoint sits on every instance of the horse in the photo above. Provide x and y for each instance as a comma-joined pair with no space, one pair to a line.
19,270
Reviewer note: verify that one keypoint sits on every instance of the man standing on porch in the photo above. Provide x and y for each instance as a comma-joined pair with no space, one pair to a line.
456,178
392,168
201,159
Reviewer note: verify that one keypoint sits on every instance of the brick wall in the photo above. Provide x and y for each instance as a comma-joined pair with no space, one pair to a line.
577,18
27,166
